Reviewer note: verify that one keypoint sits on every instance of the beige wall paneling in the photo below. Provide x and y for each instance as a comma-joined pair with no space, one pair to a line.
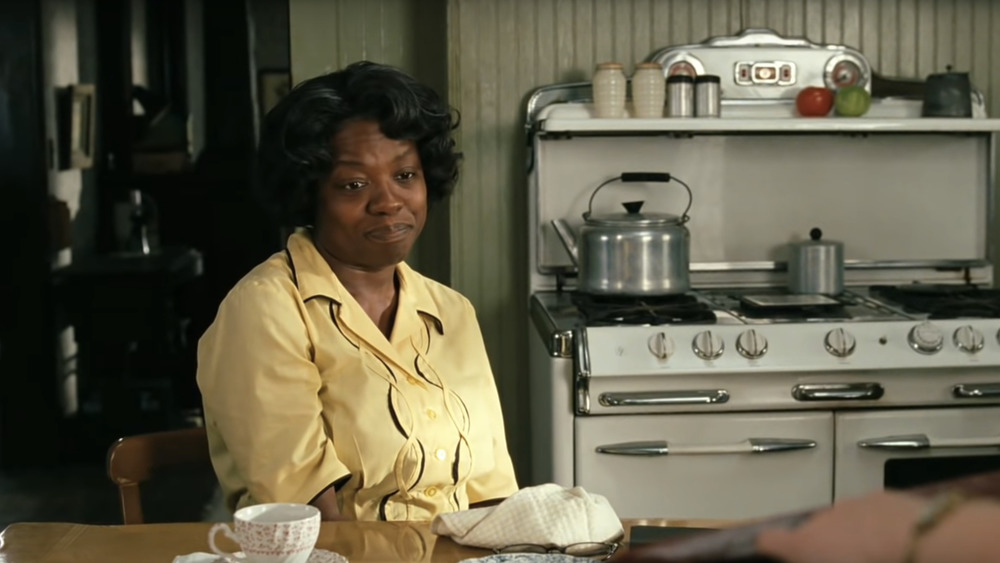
410,34
330,34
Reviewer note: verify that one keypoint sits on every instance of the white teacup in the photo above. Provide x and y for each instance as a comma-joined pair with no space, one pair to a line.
271,533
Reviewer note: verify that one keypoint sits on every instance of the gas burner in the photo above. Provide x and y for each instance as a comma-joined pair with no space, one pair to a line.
942,301
599,310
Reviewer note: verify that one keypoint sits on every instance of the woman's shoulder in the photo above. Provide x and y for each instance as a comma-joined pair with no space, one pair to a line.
271,279
447,299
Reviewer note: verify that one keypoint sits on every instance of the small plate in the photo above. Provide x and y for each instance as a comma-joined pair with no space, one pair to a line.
324,556
528,558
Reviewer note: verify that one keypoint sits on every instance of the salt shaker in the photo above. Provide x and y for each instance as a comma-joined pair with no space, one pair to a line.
706,95
680,96
609,84
649,90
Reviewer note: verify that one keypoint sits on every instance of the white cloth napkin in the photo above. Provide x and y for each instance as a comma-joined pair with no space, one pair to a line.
547,515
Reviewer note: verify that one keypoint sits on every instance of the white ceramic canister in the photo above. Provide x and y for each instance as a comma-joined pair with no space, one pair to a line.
649,90
609,87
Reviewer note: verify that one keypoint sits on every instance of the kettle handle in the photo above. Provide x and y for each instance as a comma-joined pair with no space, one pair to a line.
663,177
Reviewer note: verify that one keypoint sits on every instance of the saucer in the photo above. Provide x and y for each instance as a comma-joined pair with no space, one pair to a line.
317,556
528,558
324,556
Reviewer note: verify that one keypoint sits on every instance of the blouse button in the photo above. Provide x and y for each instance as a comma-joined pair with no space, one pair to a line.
430,491
432,414
412,380
441,454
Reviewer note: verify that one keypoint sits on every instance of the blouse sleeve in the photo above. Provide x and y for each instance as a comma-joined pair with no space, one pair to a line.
260,390
501,482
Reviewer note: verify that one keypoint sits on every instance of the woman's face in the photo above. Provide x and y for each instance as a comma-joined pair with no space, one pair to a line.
374,204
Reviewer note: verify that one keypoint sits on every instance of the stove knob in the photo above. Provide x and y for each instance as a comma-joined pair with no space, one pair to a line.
926,338
661,346
968,339
839,343
751,345
708,346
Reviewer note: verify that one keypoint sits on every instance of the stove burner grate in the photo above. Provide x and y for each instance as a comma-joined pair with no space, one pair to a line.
943,301
600,310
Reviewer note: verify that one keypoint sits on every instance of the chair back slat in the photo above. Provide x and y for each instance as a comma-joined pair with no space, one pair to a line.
133,460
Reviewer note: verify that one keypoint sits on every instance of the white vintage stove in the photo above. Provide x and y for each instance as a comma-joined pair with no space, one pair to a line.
733,401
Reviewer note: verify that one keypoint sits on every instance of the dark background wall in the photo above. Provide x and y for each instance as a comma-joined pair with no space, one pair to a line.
202,58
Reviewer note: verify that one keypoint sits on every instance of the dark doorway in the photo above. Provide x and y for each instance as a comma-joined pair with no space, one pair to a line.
28,413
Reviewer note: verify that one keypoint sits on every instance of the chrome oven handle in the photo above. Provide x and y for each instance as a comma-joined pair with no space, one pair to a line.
922,442
651,448
907,442
748,446
838,392
976,391
664,398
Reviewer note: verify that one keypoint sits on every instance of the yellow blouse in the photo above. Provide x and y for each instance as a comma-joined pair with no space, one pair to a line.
301,389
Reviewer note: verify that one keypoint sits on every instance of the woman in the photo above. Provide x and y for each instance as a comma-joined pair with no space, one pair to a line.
333,373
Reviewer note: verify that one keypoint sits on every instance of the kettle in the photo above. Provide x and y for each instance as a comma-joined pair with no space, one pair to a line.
634,253
948,94
816,266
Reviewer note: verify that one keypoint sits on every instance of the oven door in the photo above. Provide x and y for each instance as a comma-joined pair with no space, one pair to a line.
718,466
906,448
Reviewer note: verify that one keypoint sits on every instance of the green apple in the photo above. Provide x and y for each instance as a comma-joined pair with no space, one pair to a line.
852,101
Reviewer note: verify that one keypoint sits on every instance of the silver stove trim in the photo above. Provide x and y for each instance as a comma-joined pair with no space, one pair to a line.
581,372
559,341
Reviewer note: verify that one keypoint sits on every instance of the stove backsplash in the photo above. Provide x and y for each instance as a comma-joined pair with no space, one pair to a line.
897,202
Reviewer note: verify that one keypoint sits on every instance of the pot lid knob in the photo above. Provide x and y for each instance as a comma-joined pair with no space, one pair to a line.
815,233
633,207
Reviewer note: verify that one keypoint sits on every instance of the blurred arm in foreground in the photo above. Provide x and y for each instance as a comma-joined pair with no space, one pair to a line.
948,522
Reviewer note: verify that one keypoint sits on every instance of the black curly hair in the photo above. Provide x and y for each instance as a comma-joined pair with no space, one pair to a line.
296,152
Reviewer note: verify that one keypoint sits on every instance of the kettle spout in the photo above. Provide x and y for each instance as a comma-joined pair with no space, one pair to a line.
567,237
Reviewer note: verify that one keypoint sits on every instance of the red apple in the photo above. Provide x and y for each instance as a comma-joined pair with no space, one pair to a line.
814,101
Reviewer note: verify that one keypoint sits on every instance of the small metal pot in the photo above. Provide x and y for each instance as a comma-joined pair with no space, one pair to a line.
631,253
816,266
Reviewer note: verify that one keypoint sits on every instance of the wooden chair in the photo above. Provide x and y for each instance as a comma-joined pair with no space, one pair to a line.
136,459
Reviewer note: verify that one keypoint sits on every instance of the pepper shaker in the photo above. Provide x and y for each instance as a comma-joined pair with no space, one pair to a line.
680,96
706,96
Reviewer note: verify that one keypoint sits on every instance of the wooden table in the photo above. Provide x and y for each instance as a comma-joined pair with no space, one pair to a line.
360,542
